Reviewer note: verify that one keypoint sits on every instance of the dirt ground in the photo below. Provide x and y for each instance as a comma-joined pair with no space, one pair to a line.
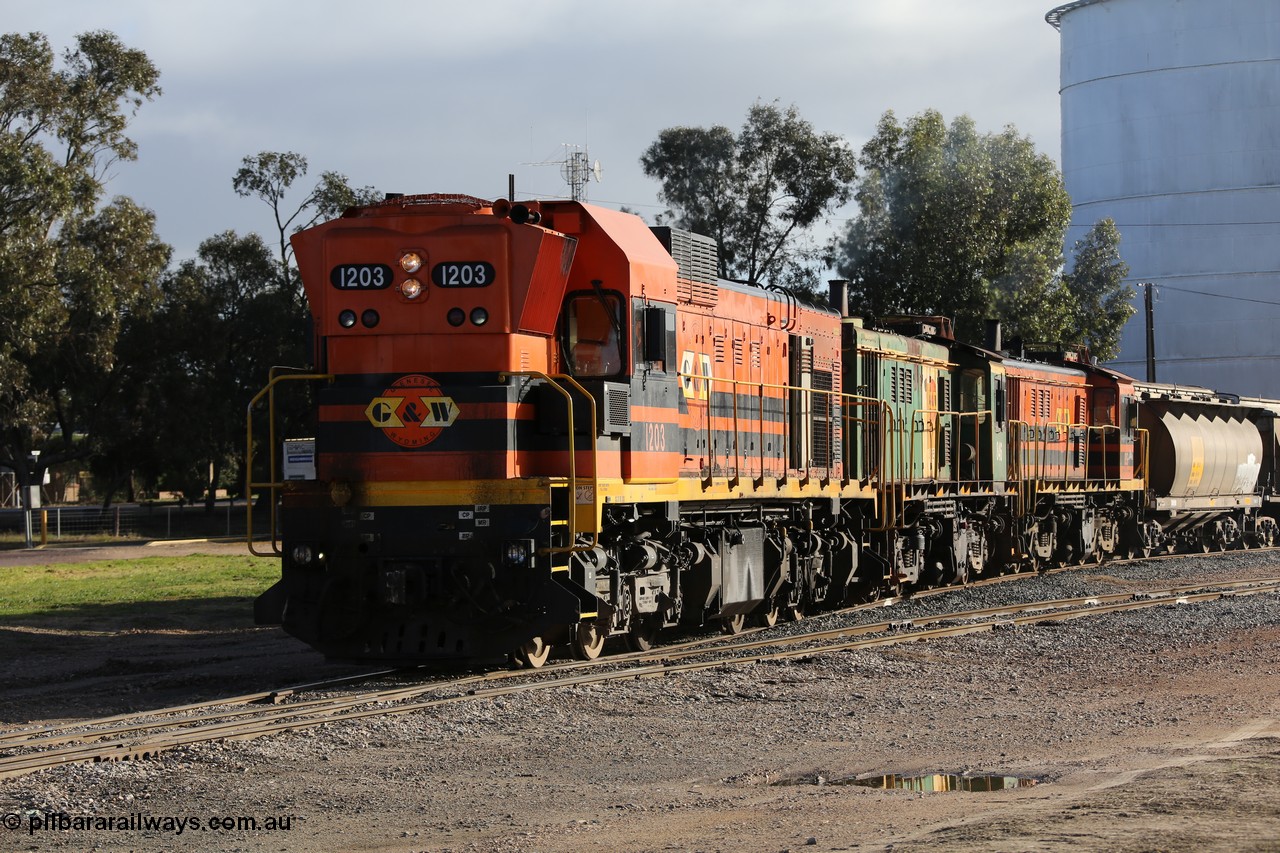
1149,732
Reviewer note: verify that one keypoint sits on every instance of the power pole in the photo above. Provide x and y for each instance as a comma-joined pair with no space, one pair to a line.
1151,331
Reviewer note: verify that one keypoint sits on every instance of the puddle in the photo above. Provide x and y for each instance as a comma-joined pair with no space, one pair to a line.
940,782
930,783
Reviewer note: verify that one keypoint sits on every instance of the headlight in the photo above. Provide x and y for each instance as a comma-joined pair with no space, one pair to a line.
302,555
517,553
411,262
410,288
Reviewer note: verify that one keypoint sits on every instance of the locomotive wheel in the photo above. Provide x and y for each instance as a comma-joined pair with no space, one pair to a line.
733,624
534,653
588,641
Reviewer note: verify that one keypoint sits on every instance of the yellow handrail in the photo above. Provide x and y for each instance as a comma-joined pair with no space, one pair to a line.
551,379
272,484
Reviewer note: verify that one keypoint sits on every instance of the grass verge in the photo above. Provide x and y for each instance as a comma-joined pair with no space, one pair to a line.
197,592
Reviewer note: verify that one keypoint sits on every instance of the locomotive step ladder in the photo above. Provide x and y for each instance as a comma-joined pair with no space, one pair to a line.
573,500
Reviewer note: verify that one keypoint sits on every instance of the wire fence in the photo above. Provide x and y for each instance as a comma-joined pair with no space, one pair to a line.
125,521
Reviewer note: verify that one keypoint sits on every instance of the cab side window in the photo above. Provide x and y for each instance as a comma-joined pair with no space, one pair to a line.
592,340
1104,407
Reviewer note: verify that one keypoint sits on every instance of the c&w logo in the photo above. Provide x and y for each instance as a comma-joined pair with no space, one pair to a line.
413,411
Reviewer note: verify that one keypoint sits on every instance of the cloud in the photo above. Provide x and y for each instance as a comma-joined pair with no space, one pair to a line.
435,96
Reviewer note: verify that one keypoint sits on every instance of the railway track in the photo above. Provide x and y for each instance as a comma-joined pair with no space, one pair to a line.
144,735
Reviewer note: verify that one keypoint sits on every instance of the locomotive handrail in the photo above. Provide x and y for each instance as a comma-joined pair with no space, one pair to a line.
896,459
1102,430
572,547
892,485
1144,475
759,388
1017,465
1037,439
272,485
958,419
862,423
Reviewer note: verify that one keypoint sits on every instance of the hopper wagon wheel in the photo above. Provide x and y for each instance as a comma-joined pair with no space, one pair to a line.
1206,541
768,616
1099,555
587,640
733,624
1140,552
863,593
794,613
534,653
643,634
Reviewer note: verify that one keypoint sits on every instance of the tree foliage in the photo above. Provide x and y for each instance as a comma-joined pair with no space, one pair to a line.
755,192
70,271
1103,303
225,319
953,222
969,225
269,175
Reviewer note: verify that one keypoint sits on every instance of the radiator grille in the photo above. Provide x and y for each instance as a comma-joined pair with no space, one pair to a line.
698,259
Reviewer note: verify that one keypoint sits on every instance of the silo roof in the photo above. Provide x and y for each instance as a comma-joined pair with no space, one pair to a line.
1054,15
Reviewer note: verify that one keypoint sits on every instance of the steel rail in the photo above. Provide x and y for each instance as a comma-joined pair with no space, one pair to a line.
321,711
148,720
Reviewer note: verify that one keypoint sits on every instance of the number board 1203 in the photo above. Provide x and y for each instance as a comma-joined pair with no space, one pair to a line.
463,274
361,276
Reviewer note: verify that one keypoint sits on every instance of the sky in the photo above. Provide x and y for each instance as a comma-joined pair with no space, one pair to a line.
429,96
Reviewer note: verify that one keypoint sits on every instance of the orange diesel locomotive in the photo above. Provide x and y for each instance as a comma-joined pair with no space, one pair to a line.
547,423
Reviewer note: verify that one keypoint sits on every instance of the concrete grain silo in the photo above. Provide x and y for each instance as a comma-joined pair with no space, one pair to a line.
1171,127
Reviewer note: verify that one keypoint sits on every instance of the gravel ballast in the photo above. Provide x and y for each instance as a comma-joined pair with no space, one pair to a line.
1152,730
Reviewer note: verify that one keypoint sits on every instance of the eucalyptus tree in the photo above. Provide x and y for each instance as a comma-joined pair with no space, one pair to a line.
757,192
270,175
224,320
71,267
1103,302
971,225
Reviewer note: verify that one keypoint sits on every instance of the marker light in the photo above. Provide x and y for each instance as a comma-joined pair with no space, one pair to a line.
410,288
339,493
456,317
347,319
479,316
411,262
370,318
